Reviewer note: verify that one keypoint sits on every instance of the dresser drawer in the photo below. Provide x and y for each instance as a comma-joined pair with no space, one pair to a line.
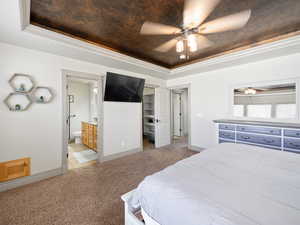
260,130
292,133
259,139
227,135
292,143
293,151
225,141
226,127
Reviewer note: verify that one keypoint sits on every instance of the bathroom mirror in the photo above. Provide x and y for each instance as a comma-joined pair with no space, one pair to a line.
270,101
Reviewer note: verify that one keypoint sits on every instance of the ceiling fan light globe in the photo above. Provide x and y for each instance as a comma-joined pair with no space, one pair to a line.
250,91
192,42
179,46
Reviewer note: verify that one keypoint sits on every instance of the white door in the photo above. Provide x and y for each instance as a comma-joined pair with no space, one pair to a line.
177,114
162,117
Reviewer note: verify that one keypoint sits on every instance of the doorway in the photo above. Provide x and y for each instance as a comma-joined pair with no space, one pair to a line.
156,117
148,104
82,110
180,117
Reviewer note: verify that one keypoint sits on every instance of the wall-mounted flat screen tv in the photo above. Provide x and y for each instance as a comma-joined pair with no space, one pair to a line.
120,88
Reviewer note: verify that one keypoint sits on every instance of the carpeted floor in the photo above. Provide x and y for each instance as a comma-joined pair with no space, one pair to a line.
85,196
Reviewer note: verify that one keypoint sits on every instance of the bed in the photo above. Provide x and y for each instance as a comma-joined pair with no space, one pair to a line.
230,184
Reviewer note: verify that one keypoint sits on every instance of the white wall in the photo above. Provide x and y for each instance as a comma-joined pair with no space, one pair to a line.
81,105
210,92
122,118
37,133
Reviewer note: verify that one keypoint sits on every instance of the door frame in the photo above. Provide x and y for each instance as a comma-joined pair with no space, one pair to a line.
188,87
180,112
64,102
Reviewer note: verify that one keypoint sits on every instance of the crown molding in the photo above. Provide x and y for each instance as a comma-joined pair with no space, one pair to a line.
268,46
288,42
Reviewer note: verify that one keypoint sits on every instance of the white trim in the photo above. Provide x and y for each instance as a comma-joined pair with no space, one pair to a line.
290,42
99,79
30,179
261,49
72,42
24,13
121,154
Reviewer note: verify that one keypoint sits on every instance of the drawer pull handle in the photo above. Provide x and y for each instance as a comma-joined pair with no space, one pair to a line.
298,134
268,141
271,131
245,137
295,145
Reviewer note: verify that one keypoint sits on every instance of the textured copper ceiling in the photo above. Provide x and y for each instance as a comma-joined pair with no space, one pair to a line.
115,24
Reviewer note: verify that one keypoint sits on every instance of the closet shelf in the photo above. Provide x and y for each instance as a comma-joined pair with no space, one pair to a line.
149,116
150,124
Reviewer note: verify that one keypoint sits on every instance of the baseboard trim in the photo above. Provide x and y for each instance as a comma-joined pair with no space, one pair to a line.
195,148
28,180
119,155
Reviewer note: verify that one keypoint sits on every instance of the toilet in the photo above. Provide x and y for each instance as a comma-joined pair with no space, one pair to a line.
77,136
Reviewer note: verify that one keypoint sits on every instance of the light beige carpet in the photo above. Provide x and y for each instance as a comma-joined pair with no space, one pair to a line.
85,196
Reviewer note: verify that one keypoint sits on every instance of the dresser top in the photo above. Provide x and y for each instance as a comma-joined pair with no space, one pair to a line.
259,123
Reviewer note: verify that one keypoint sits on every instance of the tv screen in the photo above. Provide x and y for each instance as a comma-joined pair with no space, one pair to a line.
120,88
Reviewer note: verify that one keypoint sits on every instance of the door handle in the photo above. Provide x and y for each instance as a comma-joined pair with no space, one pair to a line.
157,120
268,141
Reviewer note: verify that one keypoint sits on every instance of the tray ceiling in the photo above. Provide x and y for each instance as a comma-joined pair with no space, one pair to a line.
116,24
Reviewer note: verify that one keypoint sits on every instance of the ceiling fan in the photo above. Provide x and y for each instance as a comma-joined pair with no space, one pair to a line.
190,37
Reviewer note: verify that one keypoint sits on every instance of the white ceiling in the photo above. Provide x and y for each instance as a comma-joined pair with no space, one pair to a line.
11,22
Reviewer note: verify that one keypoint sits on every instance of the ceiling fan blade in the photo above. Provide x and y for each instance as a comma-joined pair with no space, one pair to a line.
166,46
196,11
227,23
150,28
203,42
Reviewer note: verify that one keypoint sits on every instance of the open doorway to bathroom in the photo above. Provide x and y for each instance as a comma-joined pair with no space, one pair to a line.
180,117
149,118
82,96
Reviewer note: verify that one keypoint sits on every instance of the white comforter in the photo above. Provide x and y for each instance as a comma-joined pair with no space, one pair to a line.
230,184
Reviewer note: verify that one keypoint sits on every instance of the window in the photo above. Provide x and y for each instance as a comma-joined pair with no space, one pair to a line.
285,111
260,111
238,110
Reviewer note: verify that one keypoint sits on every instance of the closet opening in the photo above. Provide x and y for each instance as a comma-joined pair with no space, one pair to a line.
148,104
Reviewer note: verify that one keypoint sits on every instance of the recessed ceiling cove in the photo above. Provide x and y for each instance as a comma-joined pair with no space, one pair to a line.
170,33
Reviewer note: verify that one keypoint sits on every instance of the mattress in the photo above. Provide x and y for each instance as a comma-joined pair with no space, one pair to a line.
230,184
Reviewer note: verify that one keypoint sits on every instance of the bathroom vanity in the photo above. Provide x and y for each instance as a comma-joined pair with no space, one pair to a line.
89,134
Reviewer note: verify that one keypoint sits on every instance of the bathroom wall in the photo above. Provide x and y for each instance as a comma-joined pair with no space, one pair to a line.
93,101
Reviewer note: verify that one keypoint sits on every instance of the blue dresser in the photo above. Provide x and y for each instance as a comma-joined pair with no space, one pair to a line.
278,136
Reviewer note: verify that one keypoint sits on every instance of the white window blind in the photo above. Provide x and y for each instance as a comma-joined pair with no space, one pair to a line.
285,111
238,110
259,111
